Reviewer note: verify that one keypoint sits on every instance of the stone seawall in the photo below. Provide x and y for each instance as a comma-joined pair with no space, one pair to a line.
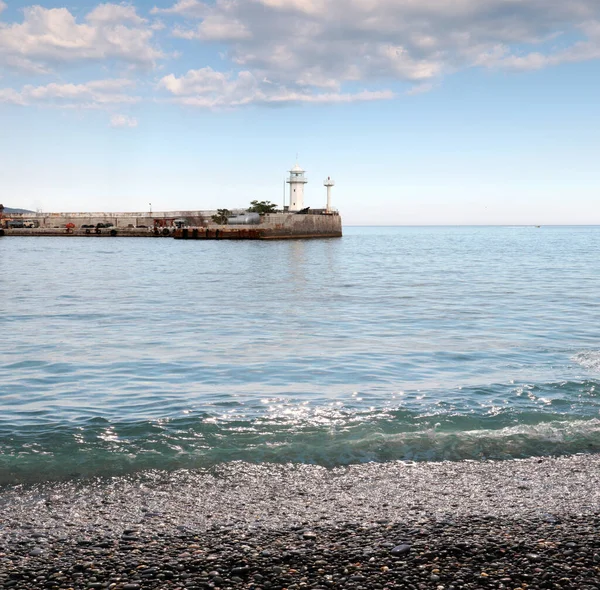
139,219
86,233
276,226
290,225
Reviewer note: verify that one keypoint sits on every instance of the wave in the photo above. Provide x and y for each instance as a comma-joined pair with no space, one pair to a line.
107,449
589,360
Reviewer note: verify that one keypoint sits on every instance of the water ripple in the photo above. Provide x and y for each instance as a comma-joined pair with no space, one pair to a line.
424,343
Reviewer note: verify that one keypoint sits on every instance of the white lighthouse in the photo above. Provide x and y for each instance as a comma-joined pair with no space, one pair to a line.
328,183
297,180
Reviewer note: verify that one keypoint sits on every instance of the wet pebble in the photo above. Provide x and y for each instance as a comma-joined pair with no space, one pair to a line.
400,549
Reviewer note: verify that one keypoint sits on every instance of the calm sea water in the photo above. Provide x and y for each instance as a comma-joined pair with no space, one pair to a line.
119,355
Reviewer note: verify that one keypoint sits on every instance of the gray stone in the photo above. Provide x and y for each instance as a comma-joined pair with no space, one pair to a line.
403,549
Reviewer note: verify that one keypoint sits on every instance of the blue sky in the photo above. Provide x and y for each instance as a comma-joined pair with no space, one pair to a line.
423,111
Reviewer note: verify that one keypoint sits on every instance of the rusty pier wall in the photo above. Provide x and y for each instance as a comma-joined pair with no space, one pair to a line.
87,233
274,226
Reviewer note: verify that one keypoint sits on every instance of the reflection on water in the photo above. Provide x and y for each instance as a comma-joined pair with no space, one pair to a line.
389,343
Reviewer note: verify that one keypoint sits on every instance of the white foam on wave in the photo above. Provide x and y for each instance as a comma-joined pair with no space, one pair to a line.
589,359
559,436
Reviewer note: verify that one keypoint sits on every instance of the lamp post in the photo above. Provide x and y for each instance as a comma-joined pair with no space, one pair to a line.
329,183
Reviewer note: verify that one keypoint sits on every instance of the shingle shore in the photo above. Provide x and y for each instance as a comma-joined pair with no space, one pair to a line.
513,524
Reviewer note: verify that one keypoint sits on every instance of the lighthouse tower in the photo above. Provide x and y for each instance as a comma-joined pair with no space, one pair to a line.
329,183
297,180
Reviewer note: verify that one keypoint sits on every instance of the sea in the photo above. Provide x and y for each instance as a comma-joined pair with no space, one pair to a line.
122,355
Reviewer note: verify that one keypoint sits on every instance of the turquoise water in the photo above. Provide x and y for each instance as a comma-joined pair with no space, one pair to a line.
119,355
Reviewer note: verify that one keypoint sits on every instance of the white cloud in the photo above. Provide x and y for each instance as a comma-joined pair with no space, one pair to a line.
123,121
398,61
309,7
192,8
47,37
501,57
312,44
295,51
24,65
97,94
207,88
204,81
215,28
158,25
11,96
114,14
420,89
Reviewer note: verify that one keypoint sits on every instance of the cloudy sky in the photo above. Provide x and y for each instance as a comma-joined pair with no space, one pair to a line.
423,111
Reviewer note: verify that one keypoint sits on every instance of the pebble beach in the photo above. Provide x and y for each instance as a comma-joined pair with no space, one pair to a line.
531,523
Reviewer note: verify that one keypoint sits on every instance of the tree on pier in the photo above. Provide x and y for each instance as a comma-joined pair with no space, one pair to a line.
221,217
262,207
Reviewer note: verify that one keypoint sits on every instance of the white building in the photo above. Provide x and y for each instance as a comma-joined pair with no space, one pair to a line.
297,180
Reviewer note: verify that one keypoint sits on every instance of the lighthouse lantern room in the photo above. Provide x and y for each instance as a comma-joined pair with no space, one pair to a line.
297,180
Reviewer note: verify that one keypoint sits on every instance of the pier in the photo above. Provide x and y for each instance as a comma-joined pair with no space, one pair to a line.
276,226
87,232
295,221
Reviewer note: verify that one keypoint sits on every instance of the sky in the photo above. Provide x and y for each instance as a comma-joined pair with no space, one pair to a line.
424,112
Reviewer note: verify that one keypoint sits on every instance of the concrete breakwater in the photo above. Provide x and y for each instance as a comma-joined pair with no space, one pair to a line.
121,220
186,225
123,232
273,226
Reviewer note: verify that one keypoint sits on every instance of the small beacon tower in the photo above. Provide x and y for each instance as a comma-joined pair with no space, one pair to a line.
297,180
329,183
